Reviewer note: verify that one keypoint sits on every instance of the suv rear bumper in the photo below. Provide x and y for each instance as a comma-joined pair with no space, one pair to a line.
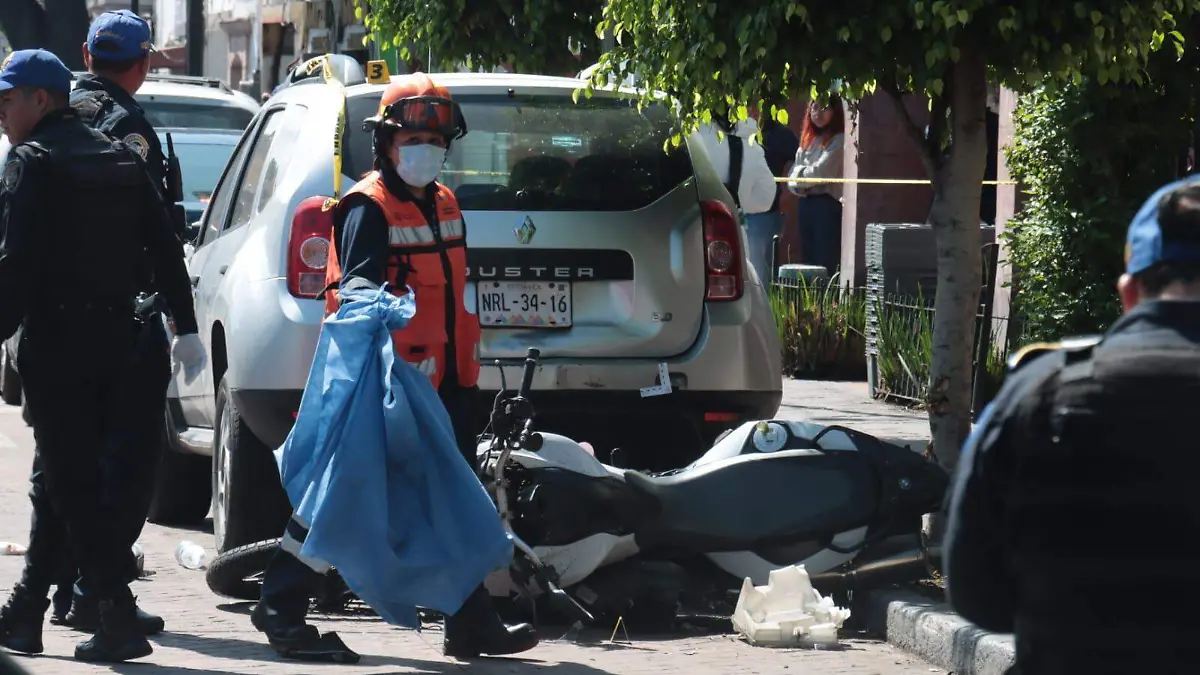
656,432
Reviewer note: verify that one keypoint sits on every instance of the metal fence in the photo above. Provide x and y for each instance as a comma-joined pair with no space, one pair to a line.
821,328
827,328
900,351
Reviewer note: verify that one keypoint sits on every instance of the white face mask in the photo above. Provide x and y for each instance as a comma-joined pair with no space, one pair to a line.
420,164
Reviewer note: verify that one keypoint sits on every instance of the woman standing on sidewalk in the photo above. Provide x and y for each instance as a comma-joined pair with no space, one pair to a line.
820,207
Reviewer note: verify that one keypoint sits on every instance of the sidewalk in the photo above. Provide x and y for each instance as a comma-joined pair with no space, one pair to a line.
909,621
847,404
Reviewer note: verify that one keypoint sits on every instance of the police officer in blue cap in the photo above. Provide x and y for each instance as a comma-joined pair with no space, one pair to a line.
80,216
117,54
1074,508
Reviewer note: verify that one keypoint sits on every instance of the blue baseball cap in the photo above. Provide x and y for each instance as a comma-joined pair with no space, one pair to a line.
35,68
1144,245
119,36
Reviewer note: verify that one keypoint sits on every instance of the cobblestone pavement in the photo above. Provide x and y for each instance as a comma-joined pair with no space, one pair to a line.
207,635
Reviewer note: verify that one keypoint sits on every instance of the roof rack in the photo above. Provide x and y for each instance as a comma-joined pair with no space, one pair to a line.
189,79
178,79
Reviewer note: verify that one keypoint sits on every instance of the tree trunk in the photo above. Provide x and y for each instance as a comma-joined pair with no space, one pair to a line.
68,31
954,217
28,26
23,23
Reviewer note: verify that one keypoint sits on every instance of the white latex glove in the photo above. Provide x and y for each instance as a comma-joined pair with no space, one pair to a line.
187,352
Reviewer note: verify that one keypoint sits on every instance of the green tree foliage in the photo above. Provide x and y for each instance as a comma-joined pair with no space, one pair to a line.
725,56
1087,155
531,36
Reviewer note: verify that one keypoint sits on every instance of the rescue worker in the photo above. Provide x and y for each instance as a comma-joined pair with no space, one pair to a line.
80,217
117,54
1074,500
400,227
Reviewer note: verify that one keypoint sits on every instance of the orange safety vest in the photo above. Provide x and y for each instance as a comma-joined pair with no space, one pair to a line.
420,256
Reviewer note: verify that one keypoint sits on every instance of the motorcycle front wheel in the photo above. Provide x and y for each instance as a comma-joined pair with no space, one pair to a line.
237,573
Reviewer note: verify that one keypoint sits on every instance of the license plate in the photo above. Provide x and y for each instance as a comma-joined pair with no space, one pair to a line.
524,304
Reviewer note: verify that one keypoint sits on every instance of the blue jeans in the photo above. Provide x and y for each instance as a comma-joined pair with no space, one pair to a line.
761,229
820,220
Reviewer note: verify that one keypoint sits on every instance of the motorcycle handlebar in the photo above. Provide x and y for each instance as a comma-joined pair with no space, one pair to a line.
531,361
526,432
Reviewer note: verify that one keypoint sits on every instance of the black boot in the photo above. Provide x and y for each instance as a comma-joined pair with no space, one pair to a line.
292,638
119,636
21,622
477,629
85,616
61,605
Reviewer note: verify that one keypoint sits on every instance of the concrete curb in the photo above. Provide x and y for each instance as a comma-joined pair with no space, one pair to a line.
930,630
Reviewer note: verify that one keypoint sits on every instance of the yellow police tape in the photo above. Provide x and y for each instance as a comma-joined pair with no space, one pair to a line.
339,129
882,181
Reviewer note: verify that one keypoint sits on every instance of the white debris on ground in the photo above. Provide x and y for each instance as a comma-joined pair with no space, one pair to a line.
11,548
787,612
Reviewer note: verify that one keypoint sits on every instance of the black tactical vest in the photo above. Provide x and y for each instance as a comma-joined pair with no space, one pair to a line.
95,204
1104,514
92,105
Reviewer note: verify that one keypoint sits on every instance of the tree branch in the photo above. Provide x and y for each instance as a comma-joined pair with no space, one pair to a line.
889,85
938,121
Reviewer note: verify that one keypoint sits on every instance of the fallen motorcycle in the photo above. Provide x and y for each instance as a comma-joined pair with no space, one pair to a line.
767,495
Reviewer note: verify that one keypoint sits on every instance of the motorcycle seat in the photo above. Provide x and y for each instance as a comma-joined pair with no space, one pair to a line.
758,500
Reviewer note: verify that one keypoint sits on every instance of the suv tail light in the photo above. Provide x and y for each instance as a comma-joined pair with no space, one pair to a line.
722,252
308,248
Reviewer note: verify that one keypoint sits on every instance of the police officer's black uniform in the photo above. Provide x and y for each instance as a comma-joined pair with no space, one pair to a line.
1074,507
103,105
79,216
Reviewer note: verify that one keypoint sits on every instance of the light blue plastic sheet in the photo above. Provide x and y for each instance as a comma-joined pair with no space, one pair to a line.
373,467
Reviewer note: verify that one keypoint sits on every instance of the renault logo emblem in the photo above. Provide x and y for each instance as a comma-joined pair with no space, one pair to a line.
525,231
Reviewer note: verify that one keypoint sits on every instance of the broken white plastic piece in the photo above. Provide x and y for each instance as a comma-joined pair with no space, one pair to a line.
11,548
787,612
664,383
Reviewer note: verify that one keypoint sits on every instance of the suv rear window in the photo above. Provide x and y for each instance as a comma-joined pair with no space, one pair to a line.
195,115
547,153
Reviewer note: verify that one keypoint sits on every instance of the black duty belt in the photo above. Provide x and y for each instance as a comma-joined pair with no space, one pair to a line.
147,306
115,306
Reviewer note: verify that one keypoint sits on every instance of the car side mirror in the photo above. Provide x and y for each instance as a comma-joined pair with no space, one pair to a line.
191,233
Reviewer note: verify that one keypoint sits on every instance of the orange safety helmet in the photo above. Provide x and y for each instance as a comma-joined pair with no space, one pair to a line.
414,103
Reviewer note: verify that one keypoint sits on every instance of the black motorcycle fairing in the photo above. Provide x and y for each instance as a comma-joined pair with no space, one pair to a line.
766,502
753,501
556,507
911,484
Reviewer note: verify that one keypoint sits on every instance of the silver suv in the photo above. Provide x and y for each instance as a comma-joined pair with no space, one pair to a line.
586,240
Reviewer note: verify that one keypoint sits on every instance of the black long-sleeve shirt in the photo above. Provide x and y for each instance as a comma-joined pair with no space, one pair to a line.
27,250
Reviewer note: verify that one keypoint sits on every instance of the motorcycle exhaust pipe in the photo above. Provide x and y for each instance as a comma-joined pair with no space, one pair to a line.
898,569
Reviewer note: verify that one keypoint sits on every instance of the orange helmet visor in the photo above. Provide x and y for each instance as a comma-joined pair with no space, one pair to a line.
427,113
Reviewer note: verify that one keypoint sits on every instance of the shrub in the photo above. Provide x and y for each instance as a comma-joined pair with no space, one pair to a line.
821,327
905,348
1088,155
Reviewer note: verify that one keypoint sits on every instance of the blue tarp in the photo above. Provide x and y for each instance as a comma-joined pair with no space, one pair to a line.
373,468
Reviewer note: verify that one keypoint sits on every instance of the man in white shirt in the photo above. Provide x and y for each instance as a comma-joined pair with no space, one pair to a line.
755,190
